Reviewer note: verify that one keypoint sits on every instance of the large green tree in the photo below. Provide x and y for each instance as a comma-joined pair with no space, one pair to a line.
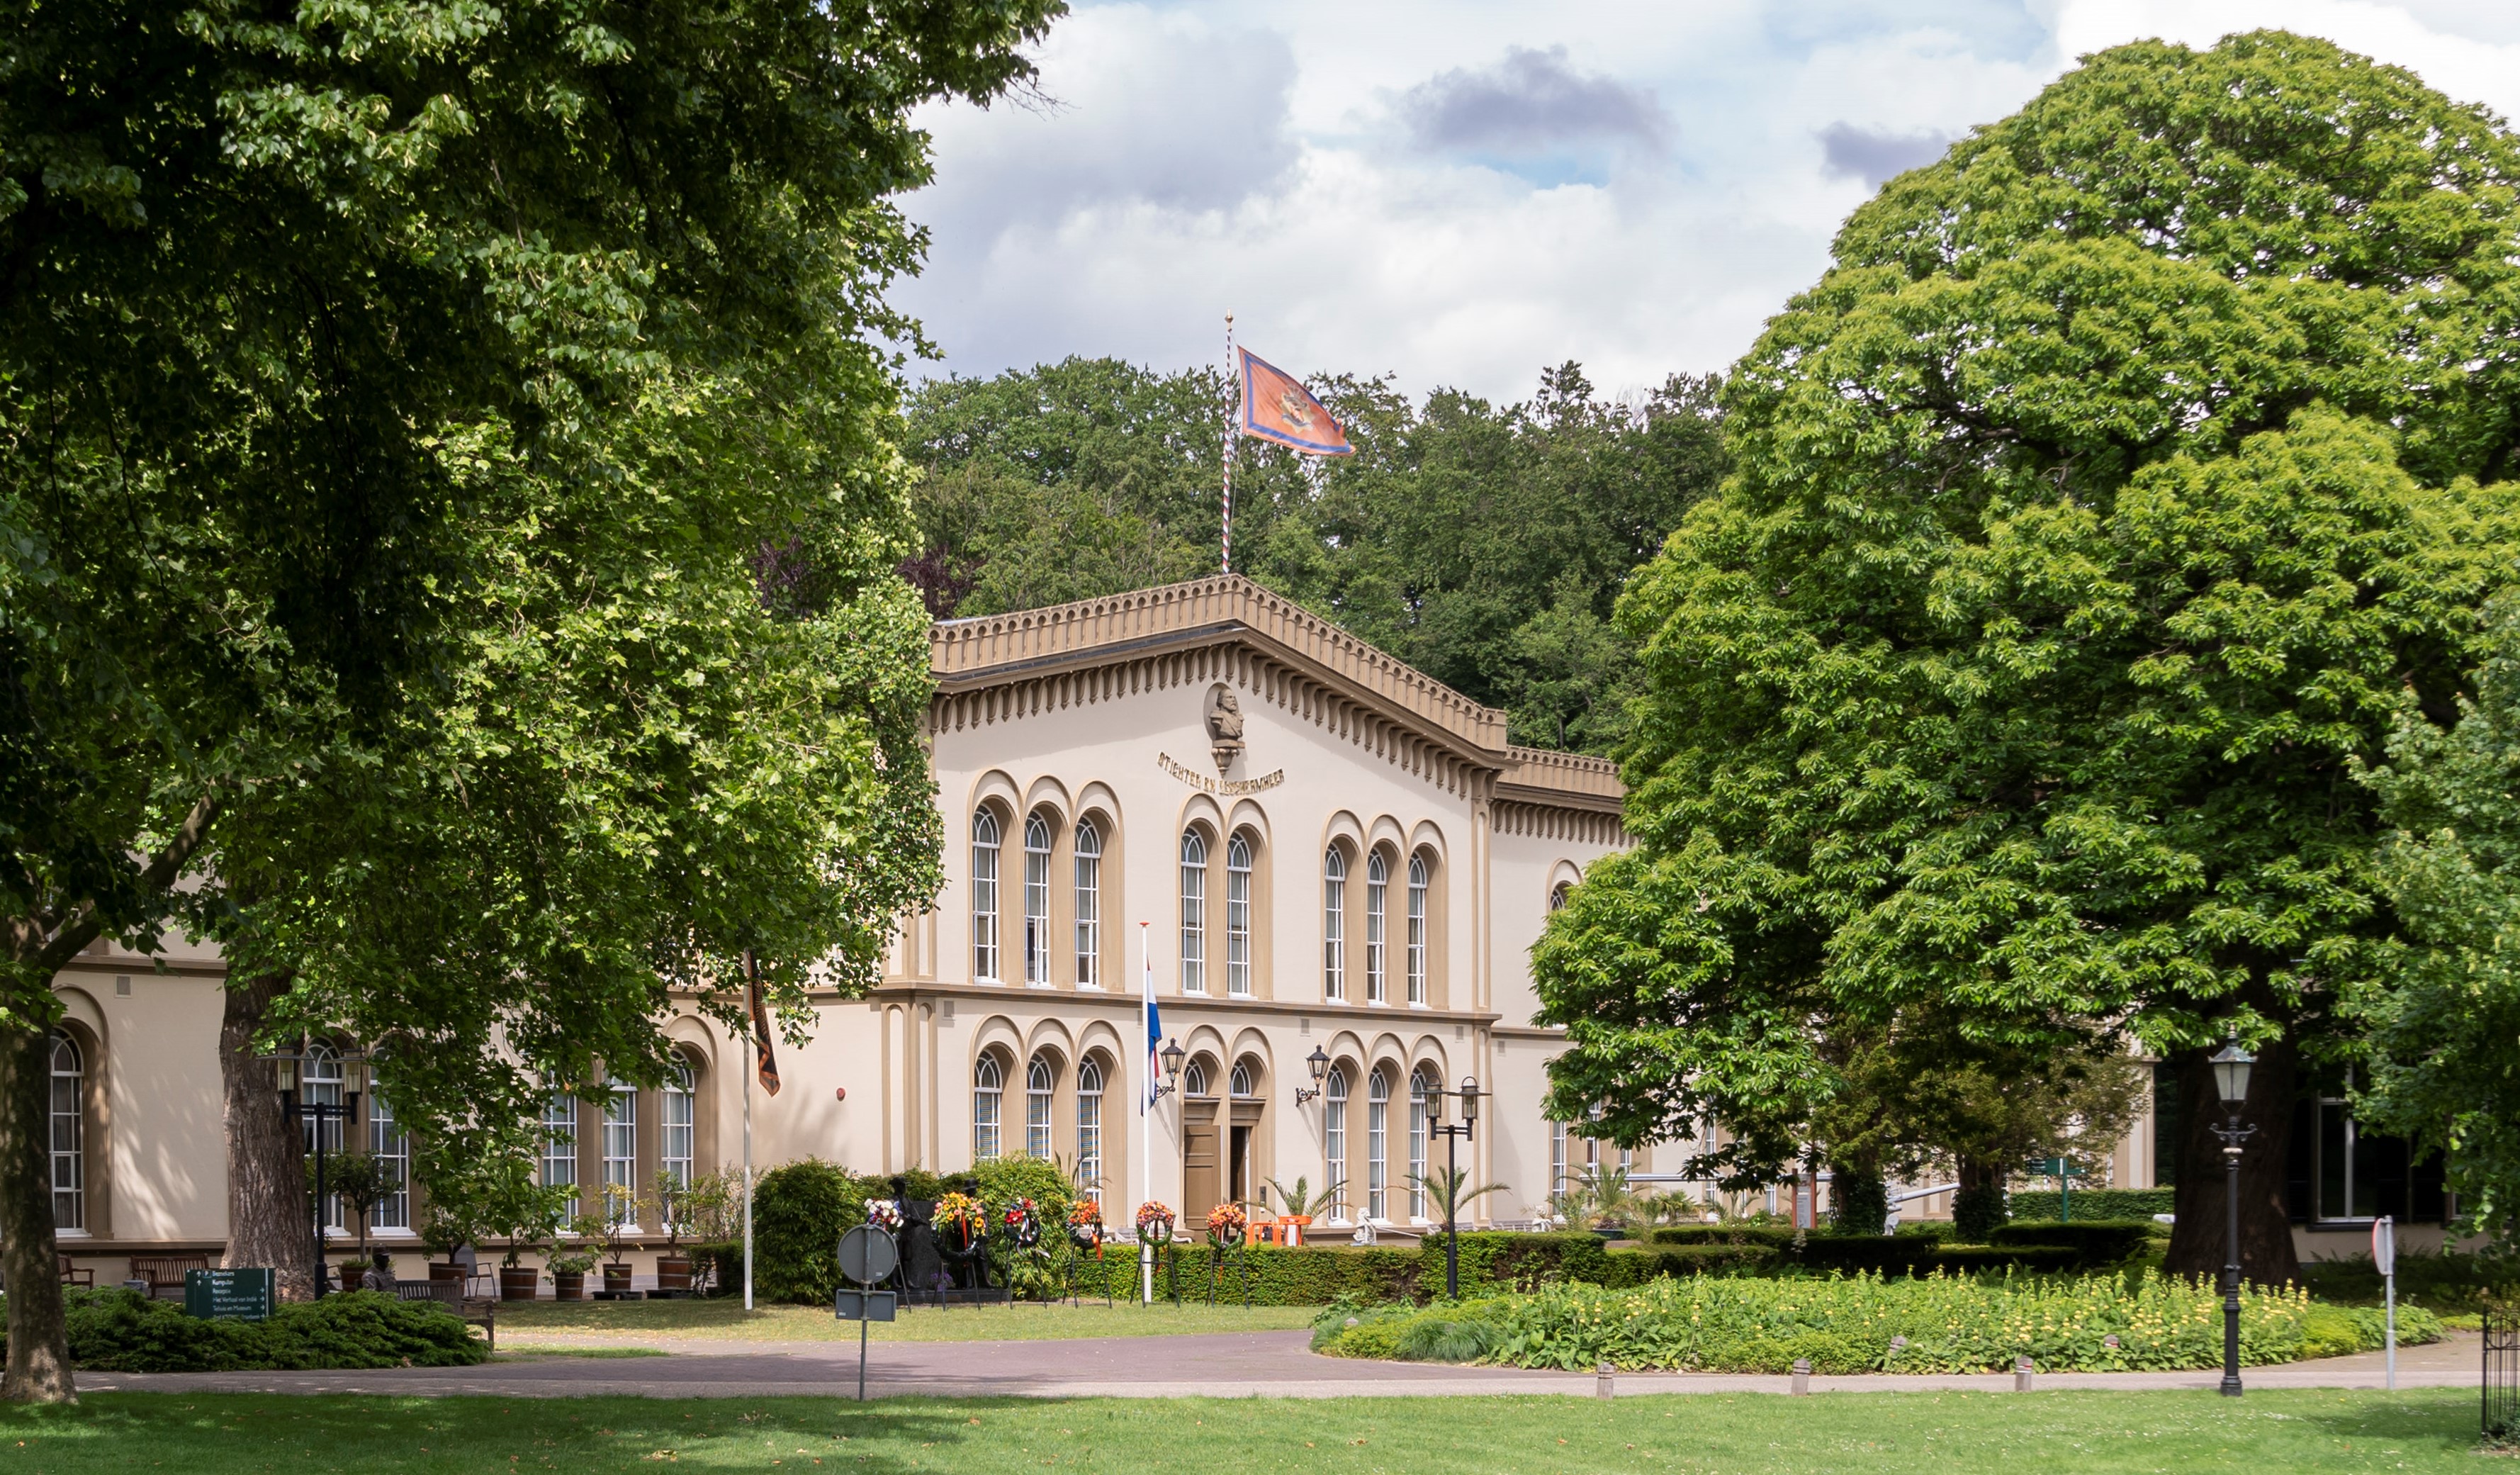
286,290
2111,495
1483,543
2445,1022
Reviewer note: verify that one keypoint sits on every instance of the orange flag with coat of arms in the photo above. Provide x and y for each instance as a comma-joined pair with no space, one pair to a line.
1276,406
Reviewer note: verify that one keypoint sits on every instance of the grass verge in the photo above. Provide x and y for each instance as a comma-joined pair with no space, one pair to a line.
633,1321
1848,1434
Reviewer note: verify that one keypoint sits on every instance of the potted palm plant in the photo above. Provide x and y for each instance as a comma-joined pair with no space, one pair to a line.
1300,1202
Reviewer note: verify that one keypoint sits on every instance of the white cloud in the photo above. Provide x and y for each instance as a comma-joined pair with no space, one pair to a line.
1462,192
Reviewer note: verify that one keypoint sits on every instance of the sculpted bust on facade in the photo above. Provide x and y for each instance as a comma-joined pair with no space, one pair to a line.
1224,726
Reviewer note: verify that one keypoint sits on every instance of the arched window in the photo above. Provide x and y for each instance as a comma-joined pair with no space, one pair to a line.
984,896
1036,899
1334,1134
1089,1123
1416,960
1419,1084
1194,912
1237,915
560,1143
1089,906
390,1146
1559,894
621,1142
1377,1145
1377,892
1240,1083
1038,1078
69,1133
1558,1180
988,1091
675,1143
1334,924
1194,1079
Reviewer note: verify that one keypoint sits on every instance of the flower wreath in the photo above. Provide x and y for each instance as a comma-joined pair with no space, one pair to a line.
1023,1223
1085,1225
1155,1223
884,1215
965,1214
1225,1224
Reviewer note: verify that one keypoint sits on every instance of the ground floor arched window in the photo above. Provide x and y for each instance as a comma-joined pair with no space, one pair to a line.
69,1132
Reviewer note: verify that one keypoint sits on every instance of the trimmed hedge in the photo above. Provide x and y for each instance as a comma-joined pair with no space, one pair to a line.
2099,1242
1491,1262
2097,1203
122,1331
1879,1254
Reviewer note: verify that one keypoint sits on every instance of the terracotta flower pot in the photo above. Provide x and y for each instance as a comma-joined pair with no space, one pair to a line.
350,1275
519,1283
568,1286
673,1272
616,1278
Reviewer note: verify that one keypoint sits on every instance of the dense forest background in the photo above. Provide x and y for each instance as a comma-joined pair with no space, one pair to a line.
1484,544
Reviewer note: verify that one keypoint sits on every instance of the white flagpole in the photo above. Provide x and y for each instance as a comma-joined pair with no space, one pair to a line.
1146,1115
748,1177
1234,388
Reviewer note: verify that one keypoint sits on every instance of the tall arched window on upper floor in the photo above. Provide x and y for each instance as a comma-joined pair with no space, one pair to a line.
988,1097
1334,924
1416,962
984,896
1194,912
1377,903
1036,901
1237,915
1334,1164
1039,1079
1377,1145
1089,1123
1089,904
69,1132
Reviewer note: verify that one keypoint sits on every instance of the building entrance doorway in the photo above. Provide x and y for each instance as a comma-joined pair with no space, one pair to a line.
1200,1182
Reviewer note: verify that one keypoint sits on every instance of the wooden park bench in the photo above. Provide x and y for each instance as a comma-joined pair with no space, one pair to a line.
72,1274
473,1311
166,1272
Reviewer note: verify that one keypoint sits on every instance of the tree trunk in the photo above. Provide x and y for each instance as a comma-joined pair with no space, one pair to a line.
2197,1238
268,1218
39,1348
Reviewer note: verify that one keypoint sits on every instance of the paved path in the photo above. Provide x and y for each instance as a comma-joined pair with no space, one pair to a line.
1238,1364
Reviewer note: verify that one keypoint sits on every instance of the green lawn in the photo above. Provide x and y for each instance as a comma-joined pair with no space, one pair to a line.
1844,1434
521,1323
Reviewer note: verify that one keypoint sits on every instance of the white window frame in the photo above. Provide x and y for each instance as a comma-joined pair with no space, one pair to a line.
68,1134
1417,1145
1334,1139
678,1126
621,1141
1039,1082
1238,916
1036,899
1377,903
1334,925
390,1146
559,1146
1089,904
985,840
1089,1123
988,1108
1194,912
1377,1146
1416,953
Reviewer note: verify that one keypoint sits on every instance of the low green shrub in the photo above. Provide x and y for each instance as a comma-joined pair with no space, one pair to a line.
122,1331
2447,1281
1882,1254
1932,1323
2097,1203
2098,1242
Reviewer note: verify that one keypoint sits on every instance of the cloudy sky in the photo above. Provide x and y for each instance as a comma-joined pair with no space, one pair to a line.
1462,191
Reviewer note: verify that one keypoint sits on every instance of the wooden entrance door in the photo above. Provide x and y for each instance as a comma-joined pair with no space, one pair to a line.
1201,1186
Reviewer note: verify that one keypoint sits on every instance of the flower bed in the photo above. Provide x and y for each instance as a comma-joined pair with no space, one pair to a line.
1865,1324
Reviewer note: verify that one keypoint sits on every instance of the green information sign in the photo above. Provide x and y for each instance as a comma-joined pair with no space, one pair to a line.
240,1295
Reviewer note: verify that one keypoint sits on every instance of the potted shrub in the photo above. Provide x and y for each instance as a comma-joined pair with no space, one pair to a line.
569,1275
674,1264
454,1222
609,1228
363,1183
533,1218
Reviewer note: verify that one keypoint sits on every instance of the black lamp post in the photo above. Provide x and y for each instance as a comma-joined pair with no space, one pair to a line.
1453,1133
1321,1068
2231,1083
297,1106
1172,1054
